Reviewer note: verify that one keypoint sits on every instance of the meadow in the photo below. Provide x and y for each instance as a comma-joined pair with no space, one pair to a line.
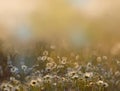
54,68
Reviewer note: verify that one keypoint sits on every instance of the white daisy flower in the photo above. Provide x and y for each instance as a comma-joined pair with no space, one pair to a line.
100,83
14,69
33,83
88,75
99,59
45,53
105,85
24,67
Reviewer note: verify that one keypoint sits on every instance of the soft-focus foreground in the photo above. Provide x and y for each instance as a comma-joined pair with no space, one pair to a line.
52,67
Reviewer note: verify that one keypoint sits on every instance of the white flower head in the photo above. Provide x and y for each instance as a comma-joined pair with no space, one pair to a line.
3,85
89,64
105,57
54,84
60,66
52,46
99,59
6,89
118,62
77,57
63,79
45,53
50,64
48,69
12,78
43,58
39,79
10,86
47,77
71,73
24,67
14,69
88,75
33,83
16,88
117,73
50,59
105,85
64,60
76,65
80,73
100,83
39,58
75,77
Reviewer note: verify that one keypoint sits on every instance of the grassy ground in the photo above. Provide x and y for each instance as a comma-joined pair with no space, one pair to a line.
54,68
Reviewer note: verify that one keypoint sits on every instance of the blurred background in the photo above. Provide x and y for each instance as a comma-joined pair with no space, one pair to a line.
79,22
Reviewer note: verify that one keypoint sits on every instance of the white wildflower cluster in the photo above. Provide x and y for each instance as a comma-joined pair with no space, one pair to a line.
53,71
